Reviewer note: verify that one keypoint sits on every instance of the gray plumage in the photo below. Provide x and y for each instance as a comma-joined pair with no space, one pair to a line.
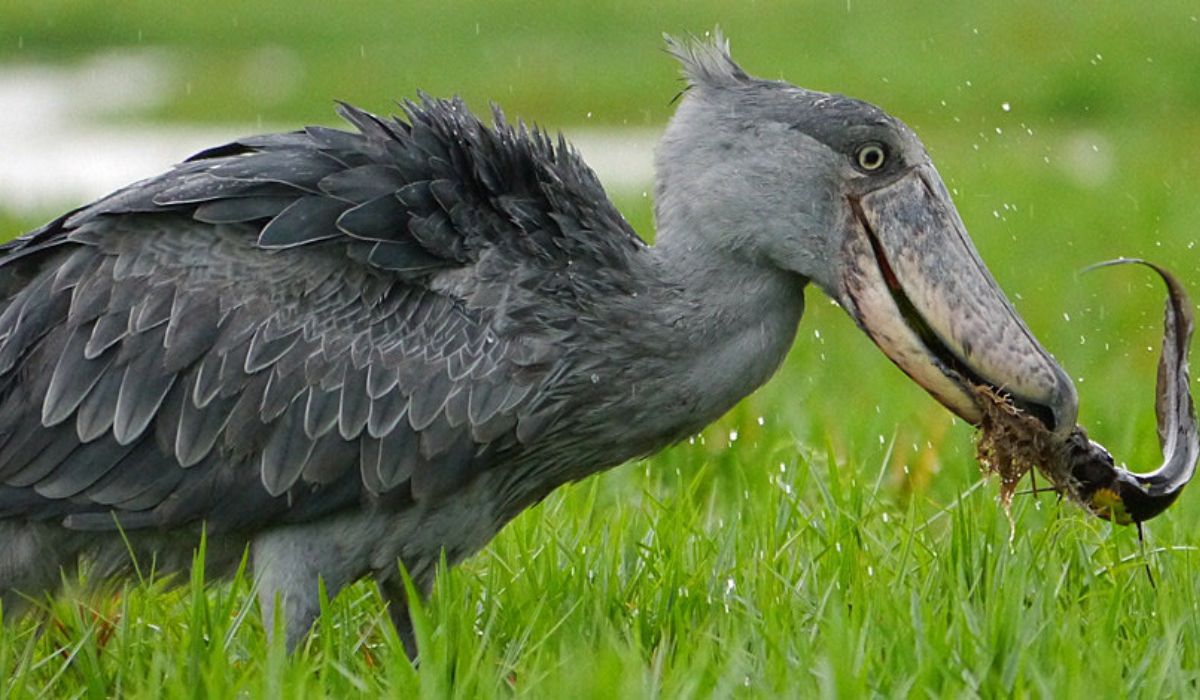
348,348
300,325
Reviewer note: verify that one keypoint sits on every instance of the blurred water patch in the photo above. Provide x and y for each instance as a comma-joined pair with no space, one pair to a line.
59,143
70,134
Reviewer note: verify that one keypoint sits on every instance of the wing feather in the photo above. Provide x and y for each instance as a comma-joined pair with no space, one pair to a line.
332,459
354,407
74,376
320,412
266,350
95,415
236,210
200,427
196,338
107,331
306,220
31,459
286,451
282,391
88,464
385,413
194,320
143,388
399,458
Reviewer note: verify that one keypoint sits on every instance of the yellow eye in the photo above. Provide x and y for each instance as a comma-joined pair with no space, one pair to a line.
870,157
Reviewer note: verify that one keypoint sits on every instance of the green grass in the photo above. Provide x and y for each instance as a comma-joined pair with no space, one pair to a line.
772,569
842,546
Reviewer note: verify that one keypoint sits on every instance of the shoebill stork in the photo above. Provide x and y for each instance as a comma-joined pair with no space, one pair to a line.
349,349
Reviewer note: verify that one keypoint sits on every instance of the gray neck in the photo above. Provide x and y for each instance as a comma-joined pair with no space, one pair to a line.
703,332
723,327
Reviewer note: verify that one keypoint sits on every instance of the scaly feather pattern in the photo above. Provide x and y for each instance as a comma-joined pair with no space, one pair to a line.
296,324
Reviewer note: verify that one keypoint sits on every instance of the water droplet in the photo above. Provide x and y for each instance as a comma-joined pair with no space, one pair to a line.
595,378
733,435
1006,106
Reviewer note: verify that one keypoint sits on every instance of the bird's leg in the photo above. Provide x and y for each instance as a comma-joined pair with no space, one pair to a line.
299,613
298,597
33,559
289,566
392,590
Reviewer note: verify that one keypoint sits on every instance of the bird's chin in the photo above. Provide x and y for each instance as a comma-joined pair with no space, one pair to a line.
914,283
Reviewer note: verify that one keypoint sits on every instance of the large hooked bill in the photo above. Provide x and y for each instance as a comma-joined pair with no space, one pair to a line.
1012,442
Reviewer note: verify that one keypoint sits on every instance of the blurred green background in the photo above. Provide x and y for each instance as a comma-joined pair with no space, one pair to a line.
1068,135
556,62
1068,132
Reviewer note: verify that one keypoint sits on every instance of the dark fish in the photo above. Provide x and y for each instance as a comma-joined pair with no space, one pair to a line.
1011,443
1129,497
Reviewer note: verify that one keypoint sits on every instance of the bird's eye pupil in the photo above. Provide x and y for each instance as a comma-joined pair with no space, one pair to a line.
871,157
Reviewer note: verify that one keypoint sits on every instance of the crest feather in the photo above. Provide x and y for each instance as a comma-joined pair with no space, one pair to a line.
706,61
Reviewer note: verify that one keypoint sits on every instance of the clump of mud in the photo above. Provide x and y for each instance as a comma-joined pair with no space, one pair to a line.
1010,443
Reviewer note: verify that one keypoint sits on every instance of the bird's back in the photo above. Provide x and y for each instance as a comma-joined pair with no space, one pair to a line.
302,325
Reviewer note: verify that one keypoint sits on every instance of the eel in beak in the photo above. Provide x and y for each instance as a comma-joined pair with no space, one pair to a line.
915,284
1081,468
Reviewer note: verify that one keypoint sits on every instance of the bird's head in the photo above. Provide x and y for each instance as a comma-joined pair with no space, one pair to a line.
837,191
